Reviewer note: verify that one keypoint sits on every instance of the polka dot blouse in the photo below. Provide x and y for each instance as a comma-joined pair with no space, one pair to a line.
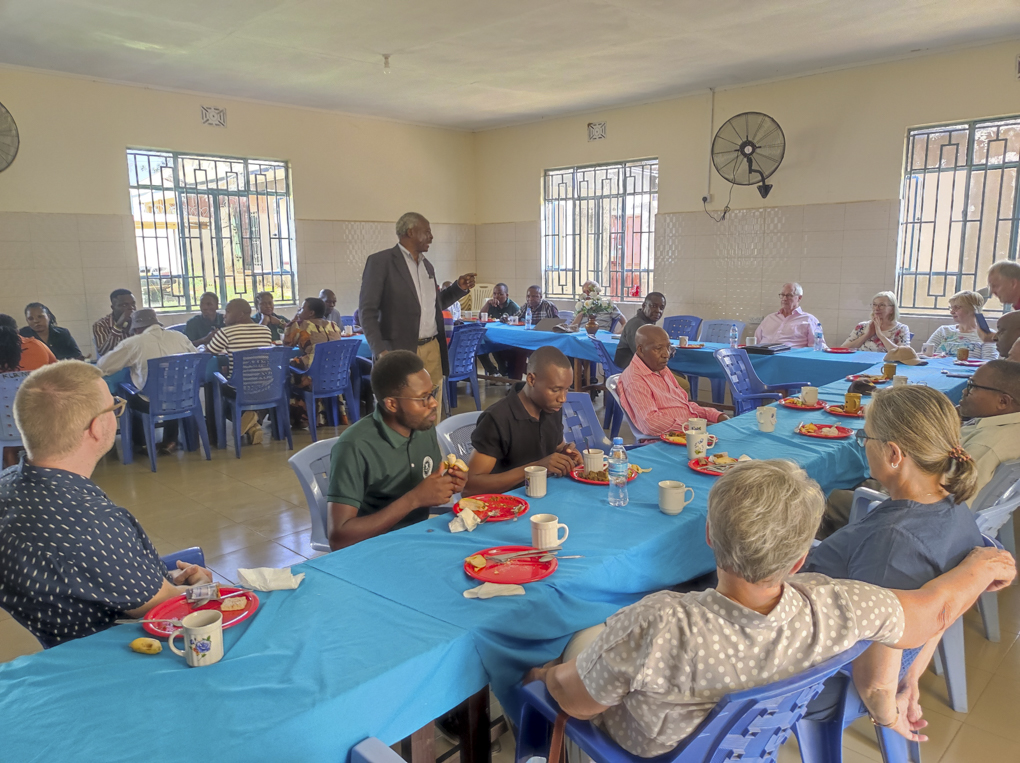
662,664
71,561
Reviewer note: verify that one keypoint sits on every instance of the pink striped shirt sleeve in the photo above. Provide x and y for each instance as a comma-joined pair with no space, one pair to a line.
655,402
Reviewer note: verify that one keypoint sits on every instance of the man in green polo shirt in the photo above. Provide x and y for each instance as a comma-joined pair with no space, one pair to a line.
385,470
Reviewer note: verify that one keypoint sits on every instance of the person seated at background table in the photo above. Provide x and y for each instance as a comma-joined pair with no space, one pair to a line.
1004,283
112,329
453,309
32,353
148,340
990,408
540,308
652,673
948,339
328,296
385,470
604,320
911,438
71,560
648,314
309,328
525,428
790,325
882,333
238,333
265,316
650,393
42,325
499,307
200,328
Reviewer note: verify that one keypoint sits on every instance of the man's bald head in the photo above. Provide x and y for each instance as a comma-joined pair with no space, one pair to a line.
1007,332
327,296
653,347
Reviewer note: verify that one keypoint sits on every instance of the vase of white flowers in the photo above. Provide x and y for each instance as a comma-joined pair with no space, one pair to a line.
591,305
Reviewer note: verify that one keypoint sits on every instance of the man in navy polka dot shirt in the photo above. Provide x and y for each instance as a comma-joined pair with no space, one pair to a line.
72,561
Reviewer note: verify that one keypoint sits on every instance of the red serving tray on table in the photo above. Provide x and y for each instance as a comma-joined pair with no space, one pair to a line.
178,607
499,507
578,471
515,571
816,407
840,350
844,432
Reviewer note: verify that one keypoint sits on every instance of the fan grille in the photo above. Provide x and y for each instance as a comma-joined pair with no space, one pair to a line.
749,134
9,140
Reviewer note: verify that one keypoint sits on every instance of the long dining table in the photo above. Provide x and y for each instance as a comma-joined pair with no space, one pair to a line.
379,639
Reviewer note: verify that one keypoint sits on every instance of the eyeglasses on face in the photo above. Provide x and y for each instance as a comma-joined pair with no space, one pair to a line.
433,395
862,438
787,296
117,408
970,386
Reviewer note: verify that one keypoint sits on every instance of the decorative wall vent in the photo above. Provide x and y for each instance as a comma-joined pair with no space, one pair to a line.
596,131
214,116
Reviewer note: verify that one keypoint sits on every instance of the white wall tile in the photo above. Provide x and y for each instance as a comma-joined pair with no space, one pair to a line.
105,254
53,227
867,243
824,217
309,231
14,226
14,254
823,244
526,231
59,255
101,227
316,252
867,215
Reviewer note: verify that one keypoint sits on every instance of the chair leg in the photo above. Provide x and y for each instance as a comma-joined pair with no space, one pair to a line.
283,422
820,741
312,417
203,431
1006,537
353,403
221,422
150,438
473,383
950,649
127,443
237,428
988,605
718,390
695,382
896,749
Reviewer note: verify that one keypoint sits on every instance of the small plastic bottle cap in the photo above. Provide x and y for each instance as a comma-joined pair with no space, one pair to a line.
617,441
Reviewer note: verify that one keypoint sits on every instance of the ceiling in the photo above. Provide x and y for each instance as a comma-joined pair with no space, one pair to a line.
475,64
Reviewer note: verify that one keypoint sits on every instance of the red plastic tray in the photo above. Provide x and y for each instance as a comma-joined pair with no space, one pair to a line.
868,377
844,432
712,439
840,350
690,346
858,415
517,571
178,607
577,471
693,464
500,507
786,404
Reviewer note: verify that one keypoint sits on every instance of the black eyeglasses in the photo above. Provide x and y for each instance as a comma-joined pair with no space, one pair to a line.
862,438
423,400
970,386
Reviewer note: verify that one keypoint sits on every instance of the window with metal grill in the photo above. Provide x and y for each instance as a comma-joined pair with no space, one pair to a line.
598,223
211,223
959,210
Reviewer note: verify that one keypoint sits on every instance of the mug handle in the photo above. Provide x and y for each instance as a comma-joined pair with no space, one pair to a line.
566,532
170,641
688,500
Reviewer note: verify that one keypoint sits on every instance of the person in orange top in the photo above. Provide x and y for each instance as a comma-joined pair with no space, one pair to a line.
649,392
32,353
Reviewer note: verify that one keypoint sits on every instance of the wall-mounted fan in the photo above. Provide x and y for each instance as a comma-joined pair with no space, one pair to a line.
748,149
9,141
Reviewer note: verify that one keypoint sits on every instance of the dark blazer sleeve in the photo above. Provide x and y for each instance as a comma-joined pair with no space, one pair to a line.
451,294
373,288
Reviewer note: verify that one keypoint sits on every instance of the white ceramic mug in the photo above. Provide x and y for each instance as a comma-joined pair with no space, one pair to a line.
750,341
534,481
928,349
809,395
696,425
697,444
203,638
348,330
681,341
673,496
545,530
594,459
766,418
899,381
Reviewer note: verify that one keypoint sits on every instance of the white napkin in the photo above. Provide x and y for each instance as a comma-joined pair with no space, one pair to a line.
466,520
488,590
269,579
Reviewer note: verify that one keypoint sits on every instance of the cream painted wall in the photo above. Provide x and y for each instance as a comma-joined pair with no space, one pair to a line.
845,132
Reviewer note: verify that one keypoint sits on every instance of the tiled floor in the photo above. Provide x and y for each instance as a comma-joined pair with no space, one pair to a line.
250,512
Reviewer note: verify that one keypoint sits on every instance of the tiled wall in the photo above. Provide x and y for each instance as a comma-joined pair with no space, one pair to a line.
71,263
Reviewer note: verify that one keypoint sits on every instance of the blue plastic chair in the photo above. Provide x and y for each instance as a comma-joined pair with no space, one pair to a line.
10,435
746,389
193,555
614,413
258,381
581,423
173,388
614,323
749,726
463,351
330,373
714,331
682,325
612,382
454,433
567,315
347,320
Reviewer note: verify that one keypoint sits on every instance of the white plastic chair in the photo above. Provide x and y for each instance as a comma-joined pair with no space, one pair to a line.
455,434
995,521
311,465
1005,477
611,384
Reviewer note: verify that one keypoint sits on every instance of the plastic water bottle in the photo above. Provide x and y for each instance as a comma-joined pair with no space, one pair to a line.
527,318
734,335
819,339
619,471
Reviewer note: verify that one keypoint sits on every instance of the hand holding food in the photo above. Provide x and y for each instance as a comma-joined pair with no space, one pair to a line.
452,462
559,464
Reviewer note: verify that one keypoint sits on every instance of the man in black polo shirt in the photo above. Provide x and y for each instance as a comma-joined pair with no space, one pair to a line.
385,469
650,311
524,429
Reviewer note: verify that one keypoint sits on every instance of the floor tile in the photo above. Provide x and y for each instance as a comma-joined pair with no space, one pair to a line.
265,554
935,696
286,521
16,641
998,709
972,745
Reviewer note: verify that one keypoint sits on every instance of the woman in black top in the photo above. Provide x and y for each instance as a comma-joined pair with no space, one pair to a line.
42,325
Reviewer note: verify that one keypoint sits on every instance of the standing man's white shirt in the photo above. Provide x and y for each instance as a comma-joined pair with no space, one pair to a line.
796,329
136,351
426,289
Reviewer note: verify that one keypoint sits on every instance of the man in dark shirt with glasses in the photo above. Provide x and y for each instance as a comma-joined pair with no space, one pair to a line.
385,470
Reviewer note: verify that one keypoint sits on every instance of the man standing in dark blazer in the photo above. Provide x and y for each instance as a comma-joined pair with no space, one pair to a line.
401,307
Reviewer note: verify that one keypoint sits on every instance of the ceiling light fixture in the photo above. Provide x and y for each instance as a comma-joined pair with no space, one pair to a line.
386,63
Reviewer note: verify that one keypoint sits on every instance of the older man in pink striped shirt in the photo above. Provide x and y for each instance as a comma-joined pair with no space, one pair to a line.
649,392
790,325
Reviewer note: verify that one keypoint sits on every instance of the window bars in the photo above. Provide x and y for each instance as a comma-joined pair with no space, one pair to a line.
598,223
207,223
959,210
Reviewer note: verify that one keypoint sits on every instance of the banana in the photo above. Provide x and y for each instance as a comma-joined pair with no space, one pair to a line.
452,462
146,646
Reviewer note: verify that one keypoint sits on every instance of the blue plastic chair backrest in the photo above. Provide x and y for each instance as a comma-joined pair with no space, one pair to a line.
719,331
682,325
9,383
174,382
581,424
614,323
347,320
739,372
177,327
312,465
454,434
567,315
331,367
604,357
464,348
259,375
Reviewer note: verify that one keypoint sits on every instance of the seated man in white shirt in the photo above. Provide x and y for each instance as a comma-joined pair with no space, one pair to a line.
790,325
658,667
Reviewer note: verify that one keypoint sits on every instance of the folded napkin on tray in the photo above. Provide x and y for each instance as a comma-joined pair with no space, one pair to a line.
269,579
488,590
